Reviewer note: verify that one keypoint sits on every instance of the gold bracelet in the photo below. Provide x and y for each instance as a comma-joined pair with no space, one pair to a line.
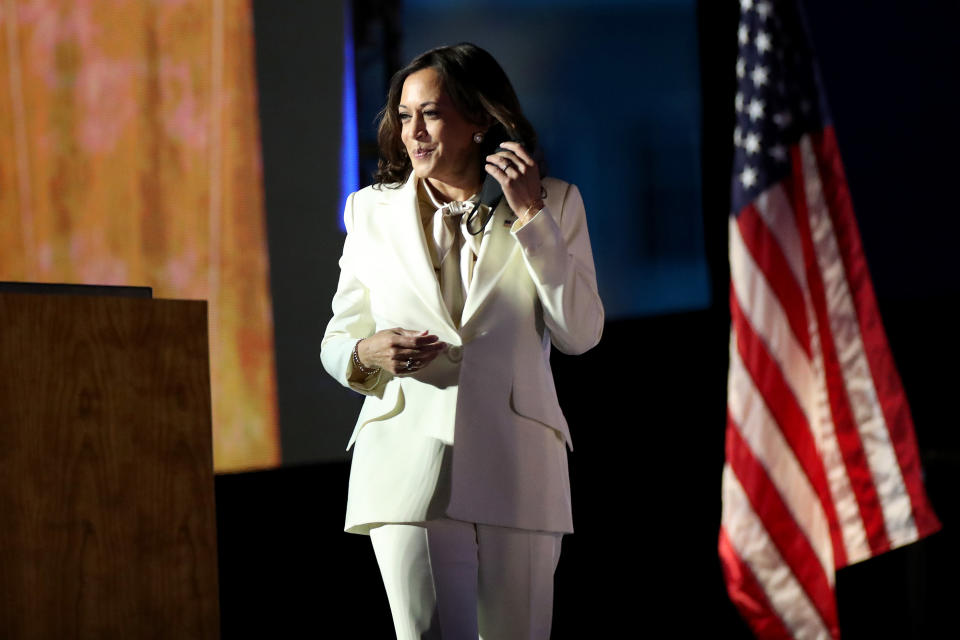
359,365
532,205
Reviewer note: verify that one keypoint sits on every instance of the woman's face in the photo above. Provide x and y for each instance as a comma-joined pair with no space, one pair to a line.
438,139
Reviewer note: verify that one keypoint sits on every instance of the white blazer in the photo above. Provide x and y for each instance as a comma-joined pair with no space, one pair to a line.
478,434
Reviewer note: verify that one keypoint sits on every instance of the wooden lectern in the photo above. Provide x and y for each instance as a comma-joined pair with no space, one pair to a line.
107,520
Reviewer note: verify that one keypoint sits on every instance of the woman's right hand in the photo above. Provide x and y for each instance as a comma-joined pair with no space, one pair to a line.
399,351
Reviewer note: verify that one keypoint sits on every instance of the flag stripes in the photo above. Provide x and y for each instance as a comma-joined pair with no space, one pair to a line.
755,554
889,390
766,314
777,419
787,536
806,433
825,275
750,596
765,249
771,205
822,467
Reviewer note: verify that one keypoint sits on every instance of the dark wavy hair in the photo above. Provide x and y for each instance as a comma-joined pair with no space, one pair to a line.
479,89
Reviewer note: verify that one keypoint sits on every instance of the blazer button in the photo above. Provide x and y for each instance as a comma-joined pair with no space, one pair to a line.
455,353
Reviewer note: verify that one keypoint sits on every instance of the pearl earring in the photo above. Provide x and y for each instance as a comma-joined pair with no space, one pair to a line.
478,137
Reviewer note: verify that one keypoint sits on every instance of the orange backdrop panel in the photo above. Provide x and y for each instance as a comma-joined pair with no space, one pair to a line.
129,154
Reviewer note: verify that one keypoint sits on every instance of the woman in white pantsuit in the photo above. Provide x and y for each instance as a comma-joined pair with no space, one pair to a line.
444,318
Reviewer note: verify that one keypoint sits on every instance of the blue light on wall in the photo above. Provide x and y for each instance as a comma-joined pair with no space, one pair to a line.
349,153
613,88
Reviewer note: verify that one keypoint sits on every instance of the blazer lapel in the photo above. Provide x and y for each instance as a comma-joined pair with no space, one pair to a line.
410,246
495,252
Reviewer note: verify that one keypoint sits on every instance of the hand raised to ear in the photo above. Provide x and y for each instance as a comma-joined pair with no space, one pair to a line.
518,174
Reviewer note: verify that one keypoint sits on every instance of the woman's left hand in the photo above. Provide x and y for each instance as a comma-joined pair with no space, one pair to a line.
518,174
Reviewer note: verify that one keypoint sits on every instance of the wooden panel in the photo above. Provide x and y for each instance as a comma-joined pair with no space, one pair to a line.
107,520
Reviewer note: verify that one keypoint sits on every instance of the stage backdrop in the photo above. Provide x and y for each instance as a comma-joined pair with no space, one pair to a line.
129,154
613,89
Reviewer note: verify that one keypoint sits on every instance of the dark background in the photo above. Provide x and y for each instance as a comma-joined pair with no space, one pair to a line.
646,483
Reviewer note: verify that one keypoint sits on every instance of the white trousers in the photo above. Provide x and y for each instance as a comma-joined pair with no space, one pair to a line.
458,580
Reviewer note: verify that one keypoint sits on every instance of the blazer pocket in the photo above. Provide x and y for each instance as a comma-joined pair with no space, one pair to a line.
379,409
530,402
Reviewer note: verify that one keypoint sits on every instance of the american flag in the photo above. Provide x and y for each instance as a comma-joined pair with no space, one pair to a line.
822,468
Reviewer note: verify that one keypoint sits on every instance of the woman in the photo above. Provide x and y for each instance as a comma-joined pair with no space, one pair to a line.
459,473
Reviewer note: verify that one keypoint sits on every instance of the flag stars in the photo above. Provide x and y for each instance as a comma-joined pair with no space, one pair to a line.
759,76
763,42
773,98
783,119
